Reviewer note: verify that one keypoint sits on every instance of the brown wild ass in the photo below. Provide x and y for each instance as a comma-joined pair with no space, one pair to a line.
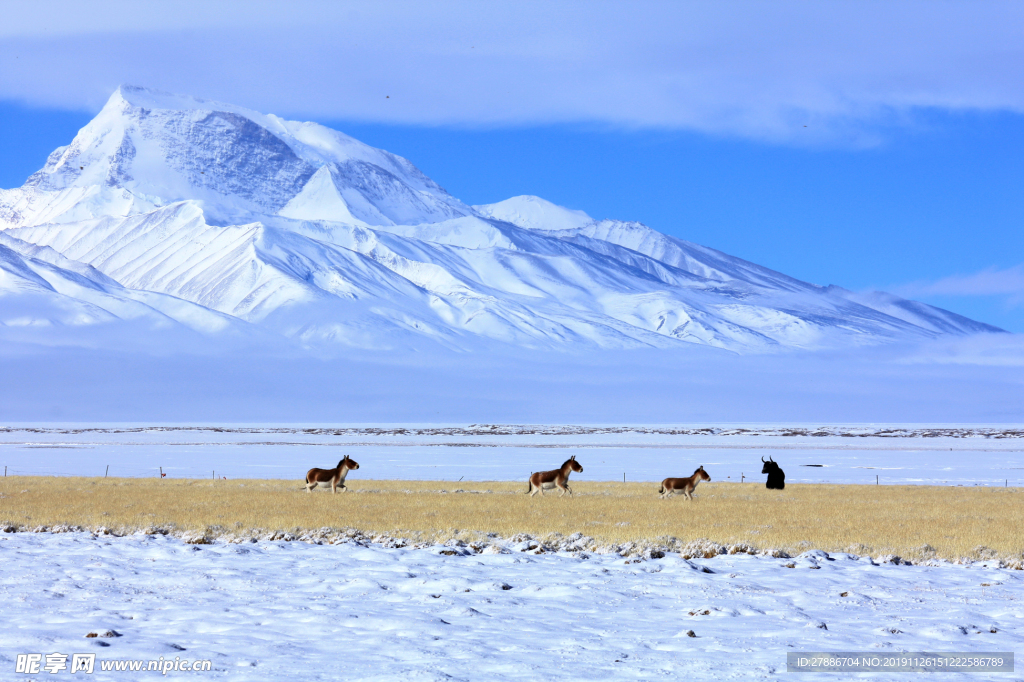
686,486
559,478
335,476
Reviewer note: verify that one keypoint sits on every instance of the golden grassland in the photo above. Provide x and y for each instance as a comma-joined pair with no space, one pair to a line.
953,522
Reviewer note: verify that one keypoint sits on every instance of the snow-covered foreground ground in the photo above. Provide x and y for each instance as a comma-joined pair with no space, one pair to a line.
290,610
945,455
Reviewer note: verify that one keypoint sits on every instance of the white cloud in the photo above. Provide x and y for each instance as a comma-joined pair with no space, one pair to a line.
763,70
1007,282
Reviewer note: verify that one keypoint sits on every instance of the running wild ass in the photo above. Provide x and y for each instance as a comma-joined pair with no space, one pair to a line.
776,476
559,478
335,476
686,486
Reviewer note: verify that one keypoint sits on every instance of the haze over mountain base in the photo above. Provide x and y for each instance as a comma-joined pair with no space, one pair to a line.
967,382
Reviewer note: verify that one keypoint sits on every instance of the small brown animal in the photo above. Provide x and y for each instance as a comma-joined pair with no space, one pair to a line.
686,486
335,476
559,478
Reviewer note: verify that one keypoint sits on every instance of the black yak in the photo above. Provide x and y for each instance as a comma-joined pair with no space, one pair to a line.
776,476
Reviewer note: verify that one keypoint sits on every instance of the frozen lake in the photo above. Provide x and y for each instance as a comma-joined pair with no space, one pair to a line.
900,454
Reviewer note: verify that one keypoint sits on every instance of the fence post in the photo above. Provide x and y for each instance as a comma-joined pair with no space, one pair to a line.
876,479
107,471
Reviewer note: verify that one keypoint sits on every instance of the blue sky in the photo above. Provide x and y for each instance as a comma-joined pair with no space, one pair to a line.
871,145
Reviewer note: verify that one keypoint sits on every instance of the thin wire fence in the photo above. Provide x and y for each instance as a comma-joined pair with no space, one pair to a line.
193,473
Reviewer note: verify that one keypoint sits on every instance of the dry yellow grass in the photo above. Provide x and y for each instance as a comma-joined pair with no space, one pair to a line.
867,519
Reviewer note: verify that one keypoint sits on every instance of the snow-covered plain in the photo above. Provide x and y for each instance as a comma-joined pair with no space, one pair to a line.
898,454
361,611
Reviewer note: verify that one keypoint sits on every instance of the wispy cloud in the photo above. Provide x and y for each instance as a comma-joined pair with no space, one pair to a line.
1008,283
788,71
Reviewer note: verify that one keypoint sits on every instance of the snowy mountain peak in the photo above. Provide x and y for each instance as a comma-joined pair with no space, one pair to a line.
137,97
176,209
534,213
147,149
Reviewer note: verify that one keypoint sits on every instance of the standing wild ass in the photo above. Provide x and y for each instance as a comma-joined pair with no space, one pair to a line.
686,486
335,476
559,478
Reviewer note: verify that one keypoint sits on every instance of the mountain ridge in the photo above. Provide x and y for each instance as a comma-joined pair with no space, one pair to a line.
310,234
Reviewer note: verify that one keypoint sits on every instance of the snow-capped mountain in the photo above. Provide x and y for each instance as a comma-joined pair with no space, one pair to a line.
171,208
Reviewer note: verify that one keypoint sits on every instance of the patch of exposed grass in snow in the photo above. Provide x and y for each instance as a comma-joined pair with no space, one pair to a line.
916,522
